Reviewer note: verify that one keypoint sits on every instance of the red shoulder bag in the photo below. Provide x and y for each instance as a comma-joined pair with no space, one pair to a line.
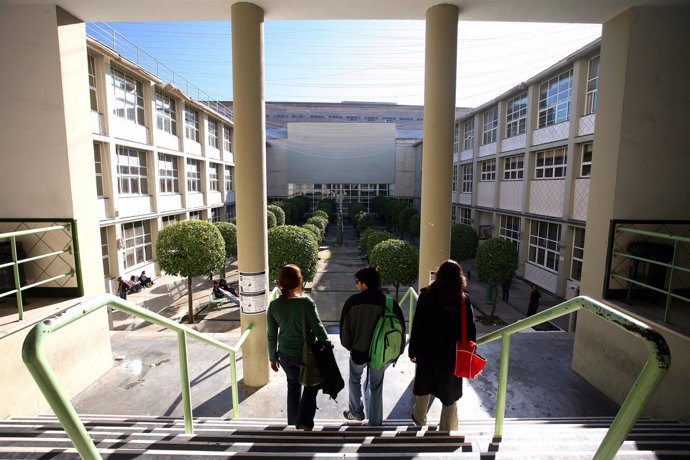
468,363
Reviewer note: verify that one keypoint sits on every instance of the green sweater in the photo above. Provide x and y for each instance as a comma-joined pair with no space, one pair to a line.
284,326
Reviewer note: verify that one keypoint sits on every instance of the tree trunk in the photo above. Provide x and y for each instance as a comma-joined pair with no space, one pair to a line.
493,299
397,288
189,298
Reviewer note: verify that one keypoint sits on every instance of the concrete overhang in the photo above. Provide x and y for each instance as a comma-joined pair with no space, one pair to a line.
565,11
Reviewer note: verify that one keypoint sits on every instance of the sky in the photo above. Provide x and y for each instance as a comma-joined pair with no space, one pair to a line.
374,61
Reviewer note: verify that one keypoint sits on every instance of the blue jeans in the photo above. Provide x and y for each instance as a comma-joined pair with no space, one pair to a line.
373,392
301,405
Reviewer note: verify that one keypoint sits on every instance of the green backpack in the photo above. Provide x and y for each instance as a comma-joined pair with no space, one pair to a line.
388,339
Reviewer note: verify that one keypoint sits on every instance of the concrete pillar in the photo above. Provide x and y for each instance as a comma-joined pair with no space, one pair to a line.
439,120
250,183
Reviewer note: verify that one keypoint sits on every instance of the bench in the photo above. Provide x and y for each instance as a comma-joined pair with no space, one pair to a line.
212,301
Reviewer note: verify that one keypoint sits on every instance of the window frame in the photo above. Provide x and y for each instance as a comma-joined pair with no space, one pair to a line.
465,216
586,155
213,177
456,169
488,171
516,115
577,254
93,87
514,167
228,178
166,113
131,174
551,163
489,125
468,134
169,177
227,138
193,175
467,175
137,244
544,245
212,132
127,108
555,98
509,229
191,124
98,166
105,251
592,87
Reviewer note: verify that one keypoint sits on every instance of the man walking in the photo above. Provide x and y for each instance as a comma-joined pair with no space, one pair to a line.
358,320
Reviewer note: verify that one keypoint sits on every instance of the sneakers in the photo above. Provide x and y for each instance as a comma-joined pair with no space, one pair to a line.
350,416
414,420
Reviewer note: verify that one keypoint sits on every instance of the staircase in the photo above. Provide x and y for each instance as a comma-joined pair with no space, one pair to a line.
148,437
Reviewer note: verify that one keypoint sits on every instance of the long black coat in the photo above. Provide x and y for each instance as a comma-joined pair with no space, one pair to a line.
435,331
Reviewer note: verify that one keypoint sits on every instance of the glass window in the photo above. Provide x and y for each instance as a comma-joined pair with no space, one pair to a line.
586,163
167,220
488,170
466,216
468,134
455,178
132,174
554,100
509,229
99,168
191,124
551,163
104,252
215,214
578,254
513,168
227,139
129,97
169,174
489,126
456,138
229,212
592,86
93,94
137,240
214,177
212,133
453,214
194,215
544,240
229,170
166,114
467,173
193,175
516,115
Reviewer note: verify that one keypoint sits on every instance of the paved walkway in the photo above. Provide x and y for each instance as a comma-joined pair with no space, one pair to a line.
145,379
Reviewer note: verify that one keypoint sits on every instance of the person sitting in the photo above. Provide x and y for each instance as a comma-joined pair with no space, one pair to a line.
145,280
134,285
219,293
226,287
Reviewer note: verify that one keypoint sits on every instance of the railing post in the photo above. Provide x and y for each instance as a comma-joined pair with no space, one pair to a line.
17,279
184,383
233,384
669,292
502,385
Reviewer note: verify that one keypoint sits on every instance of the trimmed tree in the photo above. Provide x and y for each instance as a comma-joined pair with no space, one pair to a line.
365,220
278,212
289,244
404,219
315,230
463,242
372,238
414,225
397,262
496,263
190,248
229,233
271,220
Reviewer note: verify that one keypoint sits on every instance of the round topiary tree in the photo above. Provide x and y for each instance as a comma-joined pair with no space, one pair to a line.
365,220
404,219
190,248
375,238
315,230
289,244
229,233
321,213
278,212
463,242
320,222
355,208
397,262
271,220
414,224
496,262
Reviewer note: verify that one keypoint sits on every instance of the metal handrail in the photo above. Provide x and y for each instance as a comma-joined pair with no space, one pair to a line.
41,371
642,390
18,288
412,296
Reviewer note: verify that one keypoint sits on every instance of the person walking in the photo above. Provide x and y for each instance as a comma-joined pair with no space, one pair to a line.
505,290
358,319
285,343
435,331
534,296
122,288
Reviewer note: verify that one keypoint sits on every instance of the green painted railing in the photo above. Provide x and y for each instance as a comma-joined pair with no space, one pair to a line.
642,390
35,360
16,262
411,297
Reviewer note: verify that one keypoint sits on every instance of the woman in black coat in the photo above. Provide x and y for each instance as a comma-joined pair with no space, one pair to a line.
435,331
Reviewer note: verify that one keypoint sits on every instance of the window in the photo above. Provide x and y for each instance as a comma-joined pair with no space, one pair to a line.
453,214
104,252
129,97
137,239
99,168
229,212
586,163
455,178
191,124
213,133
166,114
592,86
168,172
194,215
456,138
467,178
516,115
488,170
509,229
167,220
93,94
466,216
227,139
513,168
578,254
468,135
489,126
554,99
228,178
214,177
193,175
544,242
551,163
131,171
215,214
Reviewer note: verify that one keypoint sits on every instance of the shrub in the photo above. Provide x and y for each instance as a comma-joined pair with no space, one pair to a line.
463,242
316,231
354,209
414,224
365,220
278,212
321,213
270,219
320,222
496,262
404,218
375,238
289,244
229,233
397,262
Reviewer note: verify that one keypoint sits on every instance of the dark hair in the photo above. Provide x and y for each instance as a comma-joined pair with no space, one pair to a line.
449,283
290,278
369,276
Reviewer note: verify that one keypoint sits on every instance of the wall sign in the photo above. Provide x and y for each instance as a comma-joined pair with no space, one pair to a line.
252,292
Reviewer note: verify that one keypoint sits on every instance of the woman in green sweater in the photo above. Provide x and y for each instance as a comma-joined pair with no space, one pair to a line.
285,342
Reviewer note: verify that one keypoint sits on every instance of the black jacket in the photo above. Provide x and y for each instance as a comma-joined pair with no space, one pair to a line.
435,331
358,321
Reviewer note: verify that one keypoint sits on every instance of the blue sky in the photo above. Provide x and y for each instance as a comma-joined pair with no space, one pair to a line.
380,61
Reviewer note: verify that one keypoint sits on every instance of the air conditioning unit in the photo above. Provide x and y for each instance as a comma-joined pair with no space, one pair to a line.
572,289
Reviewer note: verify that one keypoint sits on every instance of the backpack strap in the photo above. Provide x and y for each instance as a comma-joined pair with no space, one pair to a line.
463,320
389,304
